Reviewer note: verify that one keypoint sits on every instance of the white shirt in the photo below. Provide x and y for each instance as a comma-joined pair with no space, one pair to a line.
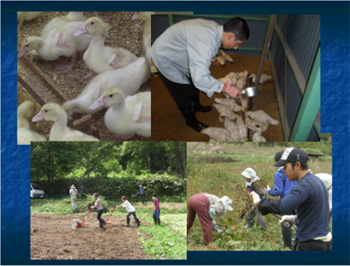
186,49
128,206
73,192
99,204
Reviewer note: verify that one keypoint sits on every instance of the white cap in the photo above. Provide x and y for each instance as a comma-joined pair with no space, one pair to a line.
227,202
249,173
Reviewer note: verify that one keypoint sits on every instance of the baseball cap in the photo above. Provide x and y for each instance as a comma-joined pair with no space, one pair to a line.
292,155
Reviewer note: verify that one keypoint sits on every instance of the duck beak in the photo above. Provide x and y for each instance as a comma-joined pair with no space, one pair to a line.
98,103
81,31
38,117
135,16
21,53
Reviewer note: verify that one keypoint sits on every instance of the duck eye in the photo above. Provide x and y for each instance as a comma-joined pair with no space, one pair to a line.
257,126
45,110
92,23
27,45
111,95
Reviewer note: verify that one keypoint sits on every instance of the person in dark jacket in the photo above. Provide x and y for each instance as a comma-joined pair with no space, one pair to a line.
310,198
282,186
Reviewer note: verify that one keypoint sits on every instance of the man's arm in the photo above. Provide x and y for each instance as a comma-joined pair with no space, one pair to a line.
278,185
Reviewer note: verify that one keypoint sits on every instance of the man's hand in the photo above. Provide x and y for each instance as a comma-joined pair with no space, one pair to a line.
232,91
288,218
268,188
255,197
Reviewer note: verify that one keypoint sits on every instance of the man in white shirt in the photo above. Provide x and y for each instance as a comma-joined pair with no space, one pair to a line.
183,54
131,211
73,192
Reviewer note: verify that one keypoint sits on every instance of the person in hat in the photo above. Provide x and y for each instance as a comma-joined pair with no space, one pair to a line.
156,213
250,178
183,54
73,192
131,211
98,207
282,186
207,207
310,198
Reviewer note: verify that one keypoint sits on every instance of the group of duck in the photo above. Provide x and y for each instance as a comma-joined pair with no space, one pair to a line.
120,75
235,125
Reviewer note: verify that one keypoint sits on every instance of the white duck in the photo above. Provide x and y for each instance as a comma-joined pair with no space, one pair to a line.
219,134
126,116
25,135
232,128
57,40
129,79
262,117
100,58
257,137
25,16
242,128
60,131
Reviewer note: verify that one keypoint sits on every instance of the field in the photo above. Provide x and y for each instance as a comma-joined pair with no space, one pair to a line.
53,238
216,169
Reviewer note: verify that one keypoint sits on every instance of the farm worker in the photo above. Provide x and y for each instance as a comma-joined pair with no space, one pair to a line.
131,211
98,207
310,198
183,54
207,206
282,186
141,192
250,178
156,213
327,181
73,192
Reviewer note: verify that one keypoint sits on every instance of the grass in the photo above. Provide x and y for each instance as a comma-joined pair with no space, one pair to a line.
167,241
221,178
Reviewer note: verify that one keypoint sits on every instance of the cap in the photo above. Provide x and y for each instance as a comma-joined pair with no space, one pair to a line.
249,173
292,155
227,202
72,186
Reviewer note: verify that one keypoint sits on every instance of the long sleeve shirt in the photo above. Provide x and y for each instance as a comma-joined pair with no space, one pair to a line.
310,197
127,205
141,191
185,50
282,186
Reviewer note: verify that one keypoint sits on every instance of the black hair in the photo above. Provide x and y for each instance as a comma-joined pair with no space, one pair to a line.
303,165
278,156
154,195
239,27
123,197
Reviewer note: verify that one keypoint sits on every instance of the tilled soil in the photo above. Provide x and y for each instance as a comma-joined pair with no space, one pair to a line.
52,238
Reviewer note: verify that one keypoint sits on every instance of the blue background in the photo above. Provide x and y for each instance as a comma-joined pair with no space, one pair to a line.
335,88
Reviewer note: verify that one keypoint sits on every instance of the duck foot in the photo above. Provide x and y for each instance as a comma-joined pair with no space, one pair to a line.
64,68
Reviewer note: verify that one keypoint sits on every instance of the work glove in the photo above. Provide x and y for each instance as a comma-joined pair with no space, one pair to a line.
232,91
212,213
215,227
255,197
268,188
287,218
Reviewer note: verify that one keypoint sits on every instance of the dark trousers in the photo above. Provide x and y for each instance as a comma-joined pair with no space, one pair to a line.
287,233
186,96
135,217
312,245
99,218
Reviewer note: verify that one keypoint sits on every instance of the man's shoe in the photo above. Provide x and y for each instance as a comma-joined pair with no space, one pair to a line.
192,121
203,109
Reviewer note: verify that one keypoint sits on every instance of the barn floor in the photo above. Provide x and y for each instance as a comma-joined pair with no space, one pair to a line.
168,123
124,32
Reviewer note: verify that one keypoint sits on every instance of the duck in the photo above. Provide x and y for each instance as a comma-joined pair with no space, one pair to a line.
146,17
230,102
219,134
60,131
126,116
263,78
224,111
129,79
100,58
232,128
257,137
25,16
25,134
262,117
242,128
57,40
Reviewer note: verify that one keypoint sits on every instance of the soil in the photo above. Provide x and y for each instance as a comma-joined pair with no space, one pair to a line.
124,32
168,123
52,238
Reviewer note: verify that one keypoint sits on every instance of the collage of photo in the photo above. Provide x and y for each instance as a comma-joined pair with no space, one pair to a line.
155,134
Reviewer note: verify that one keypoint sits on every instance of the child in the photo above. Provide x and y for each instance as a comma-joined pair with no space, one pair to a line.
98,206
131,211
156,213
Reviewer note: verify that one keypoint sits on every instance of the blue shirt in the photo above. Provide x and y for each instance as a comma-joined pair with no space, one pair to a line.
141,190
282,186
310,197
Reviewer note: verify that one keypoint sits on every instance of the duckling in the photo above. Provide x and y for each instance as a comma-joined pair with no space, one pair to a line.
230,102
129,79
100,58
242,129
262,117
25,16
263,78
232,128
57,40
225,111
126,116
60,131
257,137
25,135
217,134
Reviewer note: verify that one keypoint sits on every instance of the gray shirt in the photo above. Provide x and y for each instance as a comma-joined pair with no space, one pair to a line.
186,49
99,205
